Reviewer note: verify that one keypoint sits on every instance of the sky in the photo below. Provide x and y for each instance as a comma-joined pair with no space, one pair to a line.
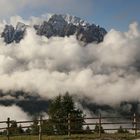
117,14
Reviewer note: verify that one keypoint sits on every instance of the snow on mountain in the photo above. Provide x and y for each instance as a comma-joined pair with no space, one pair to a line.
58,25
75,20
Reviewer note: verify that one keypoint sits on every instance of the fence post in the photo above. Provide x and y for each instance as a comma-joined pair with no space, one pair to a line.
69,124
135,124
40,128
8,125
100,125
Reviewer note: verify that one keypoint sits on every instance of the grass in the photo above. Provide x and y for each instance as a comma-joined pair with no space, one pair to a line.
76,137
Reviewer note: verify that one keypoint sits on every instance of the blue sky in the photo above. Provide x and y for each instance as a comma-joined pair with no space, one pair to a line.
116,14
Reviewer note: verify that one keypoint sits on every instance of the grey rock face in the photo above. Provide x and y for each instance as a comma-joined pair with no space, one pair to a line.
58,25
10,34
19,32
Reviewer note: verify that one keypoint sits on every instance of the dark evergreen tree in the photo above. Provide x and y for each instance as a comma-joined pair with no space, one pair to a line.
96,129
28,131
47,127
60,109
87,130
20,129
121,130
35,127
13,128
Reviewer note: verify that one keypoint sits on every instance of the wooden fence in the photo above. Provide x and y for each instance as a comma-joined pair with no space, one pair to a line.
132,121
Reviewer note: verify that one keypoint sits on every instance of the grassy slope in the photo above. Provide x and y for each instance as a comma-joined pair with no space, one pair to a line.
76,137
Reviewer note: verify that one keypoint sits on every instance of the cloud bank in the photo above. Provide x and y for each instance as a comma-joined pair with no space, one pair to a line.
13,112
108,72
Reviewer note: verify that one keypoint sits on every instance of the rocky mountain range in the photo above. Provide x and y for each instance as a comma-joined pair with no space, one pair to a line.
57,25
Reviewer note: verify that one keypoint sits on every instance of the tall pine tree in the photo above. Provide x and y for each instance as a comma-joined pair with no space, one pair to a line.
59,110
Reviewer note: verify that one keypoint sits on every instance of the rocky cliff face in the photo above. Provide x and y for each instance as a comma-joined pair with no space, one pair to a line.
58,25
11,34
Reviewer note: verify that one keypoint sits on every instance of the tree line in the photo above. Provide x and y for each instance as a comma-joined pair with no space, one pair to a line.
60,109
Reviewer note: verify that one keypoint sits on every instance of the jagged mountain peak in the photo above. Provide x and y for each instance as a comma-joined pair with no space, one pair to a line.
20,26
75,20
58,25
69,19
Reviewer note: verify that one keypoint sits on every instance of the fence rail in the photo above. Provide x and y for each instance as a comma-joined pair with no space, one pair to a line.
100,121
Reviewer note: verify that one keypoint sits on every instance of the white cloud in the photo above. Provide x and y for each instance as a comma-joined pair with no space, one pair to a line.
14,112
105,72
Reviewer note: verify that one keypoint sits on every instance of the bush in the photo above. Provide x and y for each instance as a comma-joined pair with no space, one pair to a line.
96,129
121,130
